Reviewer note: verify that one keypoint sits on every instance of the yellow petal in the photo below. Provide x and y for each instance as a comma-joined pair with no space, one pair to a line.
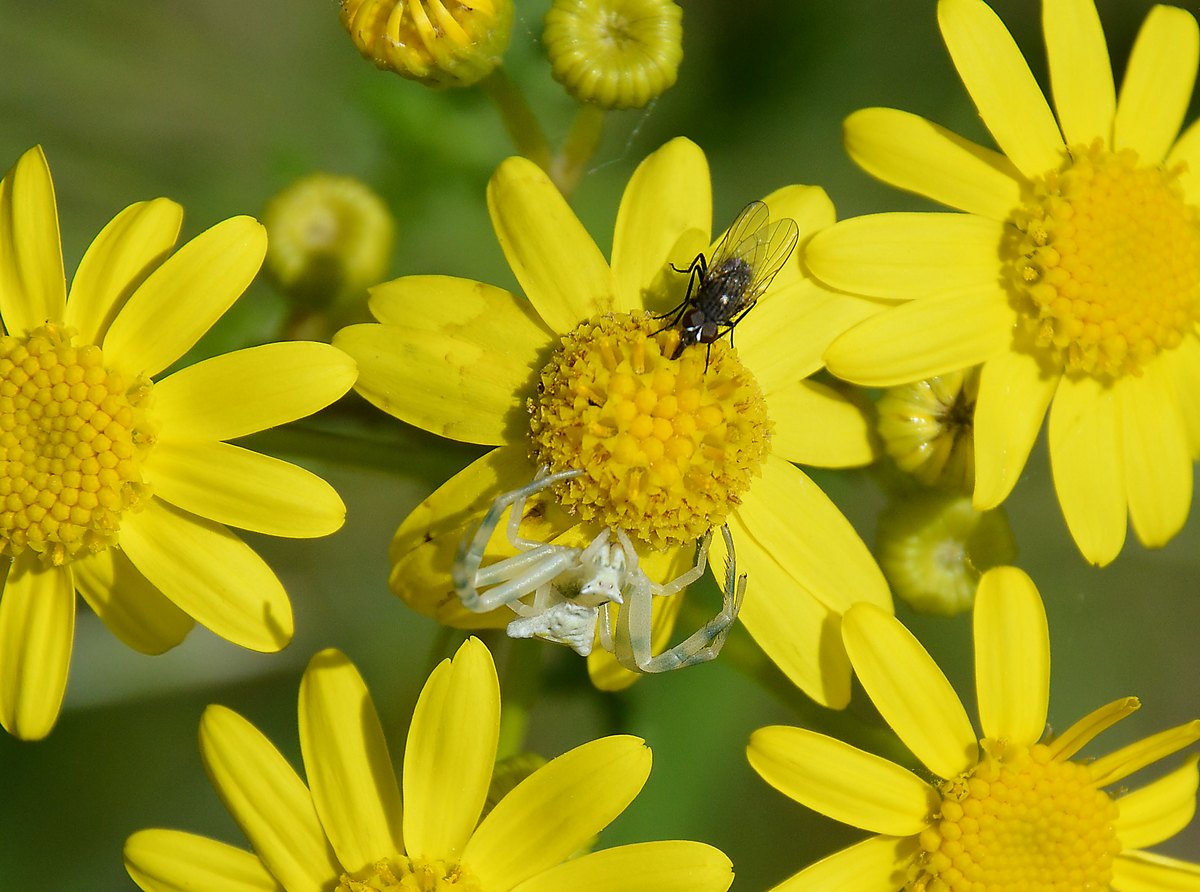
250,390
232,485
1159,810
1158,464
1081,78
174,861
37,628
668,866
181,299
1001,85
667,195
1088,467
1158,83
440,382
908,255
924,338
129,248
812,210
1183,365
841,781
1084,731
210,574
267,800
876,864
32,282
558,265
1012,657
817,425
909,690
347,763
1184,159
1014,393
557,809
1119,765
450,754
786,336
1147,872
911,153
134,610
789,516
800,634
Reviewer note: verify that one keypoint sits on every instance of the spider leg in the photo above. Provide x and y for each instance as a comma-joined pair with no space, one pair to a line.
683,581
699,647
469,558
553,562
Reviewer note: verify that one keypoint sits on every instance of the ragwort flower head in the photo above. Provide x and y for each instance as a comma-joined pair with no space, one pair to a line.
349,828
1073,276
117,485
579,375
1011,811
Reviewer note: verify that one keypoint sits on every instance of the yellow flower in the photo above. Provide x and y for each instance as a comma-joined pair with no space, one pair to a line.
119,486
471,361
1073,276
350,830
1010,811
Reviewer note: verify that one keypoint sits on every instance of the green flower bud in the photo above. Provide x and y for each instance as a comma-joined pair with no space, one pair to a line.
933,547
441,43
615,53
329,238
929,429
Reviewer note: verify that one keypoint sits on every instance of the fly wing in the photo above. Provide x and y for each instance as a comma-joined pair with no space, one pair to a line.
772,251
741,234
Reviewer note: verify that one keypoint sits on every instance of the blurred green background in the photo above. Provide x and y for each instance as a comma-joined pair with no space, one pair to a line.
220,103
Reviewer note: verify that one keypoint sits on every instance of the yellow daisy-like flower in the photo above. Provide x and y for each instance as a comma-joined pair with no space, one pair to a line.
1010,811
580,376
1073,276
119,486
350,830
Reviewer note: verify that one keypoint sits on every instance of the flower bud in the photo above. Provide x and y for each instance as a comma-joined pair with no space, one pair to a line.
929,429
329,238
441,43
614,53
933,547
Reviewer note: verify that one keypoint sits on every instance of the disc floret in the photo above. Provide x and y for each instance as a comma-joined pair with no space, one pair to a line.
1107,262
1019,820
73,434
412,875
667,448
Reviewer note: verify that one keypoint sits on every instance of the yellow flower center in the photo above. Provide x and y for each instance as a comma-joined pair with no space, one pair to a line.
412,875
72,438
1108,255
666,447
1020,821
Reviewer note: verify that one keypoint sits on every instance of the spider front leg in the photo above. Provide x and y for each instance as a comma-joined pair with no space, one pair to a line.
513,577
632,639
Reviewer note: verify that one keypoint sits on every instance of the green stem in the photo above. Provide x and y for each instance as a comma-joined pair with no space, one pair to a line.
519,690
522,126
568,167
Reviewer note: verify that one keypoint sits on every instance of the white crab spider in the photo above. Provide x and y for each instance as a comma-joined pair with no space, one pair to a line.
576,591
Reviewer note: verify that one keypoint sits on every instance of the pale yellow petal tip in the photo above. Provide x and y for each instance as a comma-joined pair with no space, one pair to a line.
328,659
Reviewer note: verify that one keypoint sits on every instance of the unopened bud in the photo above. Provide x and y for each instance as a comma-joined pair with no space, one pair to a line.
615,53
929,429
441,43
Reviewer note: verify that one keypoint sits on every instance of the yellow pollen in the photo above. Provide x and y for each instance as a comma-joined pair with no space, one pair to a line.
666,447
1020,821
1106,263
411,875
72,438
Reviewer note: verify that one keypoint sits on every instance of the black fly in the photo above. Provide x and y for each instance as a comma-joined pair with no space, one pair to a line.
721,291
